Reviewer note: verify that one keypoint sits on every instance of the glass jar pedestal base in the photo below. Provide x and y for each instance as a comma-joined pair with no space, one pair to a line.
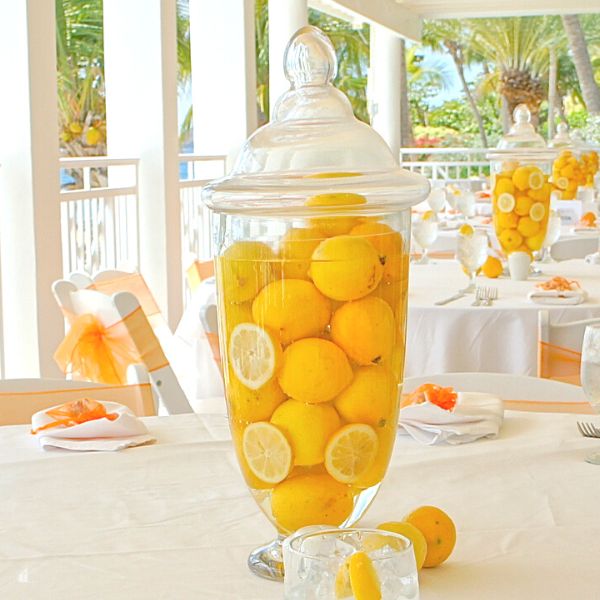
267,561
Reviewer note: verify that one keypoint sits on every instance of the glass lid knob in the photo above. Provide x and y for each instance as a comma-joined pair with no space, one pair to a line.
309,59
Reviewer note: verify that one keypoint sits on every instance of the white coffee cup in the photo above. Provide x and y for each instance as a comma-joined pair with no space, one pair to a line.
518,265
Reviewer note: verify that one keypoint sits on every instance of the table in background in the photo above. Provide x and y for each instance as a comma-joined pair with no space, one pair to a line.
499,339
174,520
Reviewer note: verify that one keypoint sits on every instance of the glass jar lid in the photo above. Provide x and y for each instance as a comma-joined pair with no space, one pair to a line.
562,139
313,145
522,141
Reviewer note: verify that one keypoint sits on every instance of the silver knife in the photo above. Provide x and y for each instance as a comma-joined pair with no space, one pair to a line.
451,299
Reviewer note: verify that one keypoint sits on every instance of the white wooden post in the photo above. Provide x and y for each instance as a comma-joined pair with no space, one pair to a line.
285,18
224,74
30,234
384,85
140,54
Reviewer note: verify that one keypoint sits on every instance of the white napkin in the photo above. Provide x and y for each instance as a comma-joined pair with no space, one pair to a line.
584,229
556,297
474,416
97,435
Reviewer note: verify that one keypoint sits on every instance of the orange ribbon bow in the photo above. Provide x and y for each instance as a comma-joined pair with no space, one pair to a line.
75,413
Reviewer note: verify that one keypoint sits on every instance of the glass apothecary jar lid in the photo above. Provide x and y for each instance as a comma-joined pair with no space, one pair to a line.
313,145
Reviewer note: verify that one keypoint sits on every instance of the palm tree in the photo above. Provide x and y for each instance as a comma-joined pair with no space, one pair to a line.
451,36
583,64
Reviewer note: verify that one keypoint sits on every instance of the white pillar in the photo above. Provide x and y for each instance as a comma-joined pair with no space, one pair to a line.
29,188
384,85
285,18
140,54
223,74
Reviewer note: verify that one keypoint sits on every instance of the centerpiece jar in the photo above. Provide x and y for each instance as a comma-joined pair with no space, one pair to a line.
575,166
311,237
521,189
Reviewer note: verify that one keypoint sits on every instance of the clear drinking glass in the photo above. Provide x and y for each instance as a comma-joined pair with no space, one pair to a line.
316,564
437,199
552,236
471,252
425,233
590,375
466,204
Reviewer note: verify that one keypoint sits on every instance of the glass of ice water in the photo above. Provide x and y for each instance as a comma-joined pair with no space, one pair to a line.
590,374
425,233
326,564
471,252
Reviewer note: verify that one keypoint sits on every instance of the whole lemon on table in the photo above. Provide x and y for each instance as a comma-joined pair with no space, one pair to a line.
492,267
292,308
310,500
413,534
365,330
439,531
244,268
345,267
295,251
314,370
308,427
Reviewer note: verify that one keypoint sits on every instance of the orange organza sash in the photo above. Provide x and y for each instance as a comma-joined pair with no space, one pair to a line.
17,408
198,271
558,363
92,352
133,283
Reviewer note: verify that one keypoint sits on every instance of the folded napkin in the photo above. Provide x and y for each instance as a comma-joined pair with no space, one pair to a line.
584,229
557,297
474,416
98,435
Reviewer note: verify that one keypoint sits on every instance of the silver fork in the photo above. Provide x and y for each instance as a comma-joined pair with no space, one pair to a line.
479,296
588,430
491,295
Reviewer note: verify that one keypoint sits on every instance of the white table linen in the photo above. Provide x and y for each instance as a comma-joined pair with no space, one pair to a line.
174,520
499,339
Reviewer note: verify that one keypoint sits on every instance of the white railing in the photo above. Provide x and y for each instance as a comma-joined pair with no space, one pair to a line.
450,165
99,214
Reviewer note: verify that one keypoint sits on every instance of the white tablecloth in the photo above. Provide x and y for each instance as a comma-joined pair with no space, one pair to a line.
174,520
500,339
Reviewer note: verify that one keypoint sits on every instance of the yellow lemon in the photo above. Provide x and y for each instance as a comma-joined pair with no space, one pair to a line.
505,202
527,227
507,220
292,308
376,472
308,427
244,268
523,206
314,370
543,194
335,225
427,215
387,243
537,212
254,354
350,452
365,330
504,185
510,239
413,534
295,249
346,267
310,500
562,183
369,398
267,452
521,178
439,531
237,434
253,405
364,581
535,242
492,267
466,230
236,314
536,179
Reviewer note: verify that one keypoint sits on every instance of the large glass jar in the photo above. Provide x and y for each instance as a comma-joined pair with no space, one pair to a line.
520,186
575,166
311,243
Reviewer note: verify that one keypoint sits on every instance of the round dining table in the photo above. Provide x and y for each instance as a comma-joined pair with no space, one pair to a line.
502,338
174,520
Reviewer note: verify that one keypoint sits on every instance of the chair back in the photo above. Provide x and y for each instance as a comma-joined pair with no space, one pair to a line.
559,348
21,398
123,315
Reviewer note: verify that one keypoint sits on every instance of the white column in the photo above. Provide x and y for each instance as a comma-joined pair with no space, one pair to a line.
29,188
140,53
285,18
224,74
384,85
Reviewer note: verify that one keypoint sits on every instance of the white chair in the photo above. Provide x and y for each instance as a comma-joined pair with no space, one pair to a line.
120,307
559,347
21,398
505,385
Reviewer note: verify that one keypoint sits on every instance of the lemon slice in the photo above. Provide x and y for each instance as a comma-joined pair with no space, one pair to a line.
363,577
350,452
536,180
562,183
506,202
466,230
253,354
427,215
537,212
267,452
